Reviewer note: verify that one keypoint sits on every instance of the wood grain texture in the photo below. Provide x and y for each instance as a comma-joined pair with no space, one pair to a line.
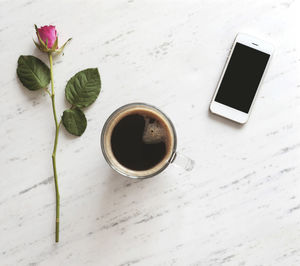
240,205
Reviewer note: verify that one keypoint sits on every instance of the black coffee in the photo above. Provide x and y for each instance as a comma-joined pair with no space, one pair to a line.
138,141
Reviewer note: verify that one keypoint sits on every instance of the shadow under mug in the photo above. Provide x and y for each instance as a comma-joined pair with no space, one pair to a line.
172,156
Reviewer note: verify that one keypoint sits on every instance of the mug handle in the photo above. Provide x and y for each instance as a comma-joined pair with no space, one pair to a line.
182,161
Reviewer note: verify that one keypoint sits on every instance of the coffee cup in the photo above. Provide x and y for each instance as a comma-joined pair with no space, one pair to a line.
139,141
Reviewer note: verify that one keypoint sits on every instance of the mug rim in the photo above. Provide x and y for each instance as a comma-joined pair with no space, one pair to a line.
125,173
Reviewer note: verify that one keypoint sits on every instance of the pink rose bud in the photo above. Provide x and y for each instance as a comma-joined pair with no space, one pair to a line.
48,35
48,40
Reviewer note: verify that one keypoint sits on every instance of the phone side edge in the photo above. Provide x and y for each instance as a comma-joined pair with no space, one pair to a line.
222,73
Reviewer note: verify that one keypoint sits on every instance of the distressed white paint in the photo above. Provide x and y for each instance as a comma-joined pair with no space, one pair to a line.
240,205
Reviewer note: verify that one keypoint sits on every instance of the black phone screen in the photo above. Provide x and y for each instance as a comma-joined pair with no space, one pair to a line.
241,78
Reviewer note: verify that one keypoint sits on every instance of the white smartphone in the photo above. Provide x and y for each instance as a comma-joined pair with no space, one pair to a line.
241,77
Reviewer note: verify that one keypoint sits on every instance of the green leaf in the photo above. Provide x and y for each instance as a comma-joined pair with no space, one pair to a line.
32,72
83,88
74,121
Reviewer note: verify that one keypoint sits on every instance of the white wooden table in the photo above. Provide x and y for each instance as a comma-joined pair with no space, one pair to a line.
240,205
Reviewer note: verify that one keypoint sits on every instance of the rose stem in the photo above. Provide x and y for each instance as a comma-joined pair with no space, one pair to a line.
57,125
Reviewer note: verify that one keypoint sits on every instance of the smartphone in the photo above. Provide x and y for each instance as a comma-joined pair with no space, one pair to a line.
240,80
